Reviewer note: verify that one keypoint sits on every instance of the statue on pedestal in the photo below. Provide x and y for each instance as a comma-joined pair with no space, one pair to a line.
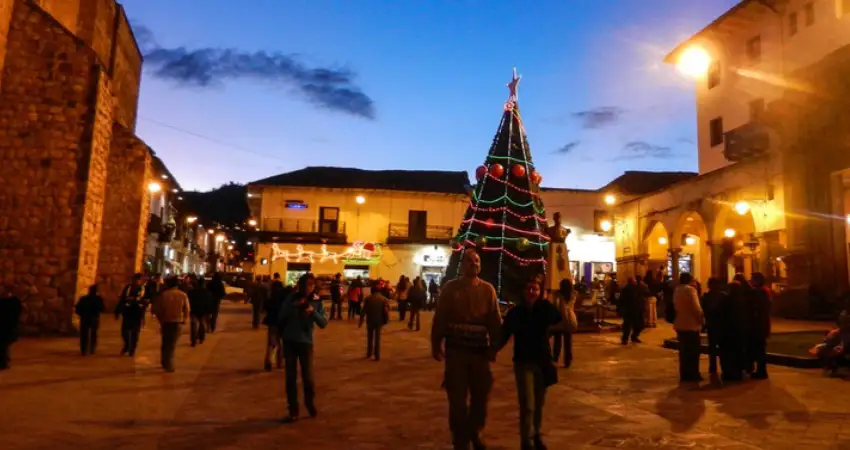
558,261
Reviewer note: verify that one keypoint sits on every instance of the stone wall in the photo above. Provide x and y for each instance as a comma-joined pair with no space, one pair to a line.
127,207
126,69
6,7
51,142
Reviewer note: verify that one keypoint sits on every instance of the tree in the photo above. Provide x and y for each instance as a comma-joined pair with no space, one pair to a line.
506,220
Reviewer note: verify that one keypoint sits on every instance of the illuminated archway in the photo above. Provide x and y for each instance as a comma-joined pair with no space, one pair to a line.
691,238
656,243
735,233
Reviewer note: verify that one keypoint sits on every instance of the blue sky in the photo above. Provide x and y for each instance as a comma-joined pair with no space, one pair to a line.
595,96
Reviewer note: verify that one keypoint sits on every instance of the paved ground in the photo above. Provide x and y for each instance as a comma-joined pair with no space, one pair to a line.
219,398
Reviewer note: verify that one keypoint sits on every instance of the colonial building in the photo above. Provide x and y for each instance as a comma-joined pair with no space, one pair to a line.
373,224
772,192
74,203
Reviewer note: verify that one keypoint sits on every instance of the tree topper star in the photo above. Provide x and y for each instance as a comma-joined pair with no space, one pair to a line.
513,85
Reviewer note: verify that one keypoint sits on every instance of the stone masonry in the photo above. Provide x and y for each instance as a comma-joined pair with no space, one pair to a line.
73,207
127,199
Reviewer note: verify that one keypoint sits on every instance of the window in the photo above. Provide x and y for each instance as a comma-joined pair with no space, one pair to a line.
715,130
809,12
714,74
756,109
792,24
417,225
328,220
754,49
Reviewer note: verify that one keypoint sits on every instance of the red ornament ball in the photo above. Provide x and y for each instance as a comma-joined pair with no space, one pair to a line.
489,222
518,170
369,247
536,178
496,171
480,172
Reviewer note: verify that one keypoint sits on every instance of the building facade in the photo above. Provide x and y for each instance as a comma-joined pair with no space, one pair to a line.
773,153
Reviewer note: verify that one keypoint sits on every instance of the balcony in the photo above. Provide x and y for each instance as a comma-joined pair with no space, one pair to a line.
748,141
303,230
401,233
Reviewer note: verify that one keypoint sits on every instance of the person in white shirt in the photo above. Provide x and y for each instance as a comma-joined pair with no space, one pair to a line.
688,324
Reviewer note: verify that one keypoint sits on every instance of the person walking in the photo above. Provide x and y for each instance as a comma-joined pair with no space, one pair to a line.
760,306
564,301
299,314
171,309
416,298
530,324
688,323
218,290
274,346
630,307
200,307
336,297
469,323
355,296
259,297
434,292
89,308
131,309
402,291
376,314
10,316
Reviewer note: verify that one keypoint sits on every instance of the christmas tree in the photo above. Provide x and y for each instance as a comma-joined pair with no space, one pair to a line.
506,221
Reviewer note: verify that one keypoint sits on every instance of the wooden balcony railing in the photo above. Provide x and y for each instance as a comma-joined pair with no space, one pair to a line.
305,226
402,232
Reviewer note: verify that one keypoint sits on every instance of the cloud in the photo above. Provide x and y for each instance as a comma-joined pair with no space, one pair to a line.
685,140
600,117
567,148
330,88
644,150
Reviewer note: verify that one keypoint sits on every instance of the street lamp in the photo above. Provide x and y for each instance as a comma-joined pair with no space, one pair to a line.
605,225
742,207
690,240
219,238
211,231
154,187
662,240
610,199
694,62
729,233
191,219
360,199
252,222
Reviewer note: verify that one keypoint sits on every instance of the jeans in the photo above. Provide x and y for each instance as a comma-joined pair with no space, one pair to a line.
415,316
274,347
713,350
170,333
373,341
88,335
214,315
353,309
256,313
295,354
567,340
130,335
336,309
198,329
689,349
758,356
468,381
632,326
5,344
402,310
531,393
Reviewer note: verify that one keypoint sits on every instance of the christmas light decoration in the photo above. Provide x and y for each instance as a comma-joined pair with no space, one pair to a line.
358,253
513,248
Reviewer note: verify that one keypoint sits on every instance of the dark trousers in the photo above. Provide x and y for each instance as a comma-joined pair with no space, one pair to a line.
5,344
130,335
336,309
295,354
373,341
632,326
531,394
353,309
689,349
758,357
214,315
415,316
256,314
88,335
170,334
402,311
564,340
713,351
731,358
198,329
468,381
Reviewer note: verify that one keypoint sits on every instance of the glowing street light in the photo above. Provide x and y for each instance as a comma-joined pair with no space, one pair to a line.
605,225
191,219
742,207
848,218
694,62
154,187
252,222
211,231
219,238
690,240
662,240
729,233
360,199
610,199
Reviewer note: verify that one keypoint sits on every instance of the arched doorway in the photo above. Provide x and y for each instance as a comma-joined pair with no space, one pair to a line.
691,241
735,237
656,241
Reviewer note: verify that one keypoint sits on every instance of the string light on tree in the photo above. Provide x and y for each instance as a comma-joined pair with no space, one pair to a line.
506,218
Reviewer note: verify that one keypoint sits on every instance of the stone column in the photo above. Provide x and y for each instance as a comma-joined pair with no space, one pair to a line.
674,257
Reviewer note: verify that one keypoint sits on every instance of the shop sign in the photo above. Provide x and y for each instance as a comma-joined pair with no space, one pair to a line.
431,257
359,253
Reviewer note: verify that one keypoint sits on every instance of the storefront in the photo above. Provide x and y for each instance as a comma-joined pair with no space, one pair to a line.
591,256
432,262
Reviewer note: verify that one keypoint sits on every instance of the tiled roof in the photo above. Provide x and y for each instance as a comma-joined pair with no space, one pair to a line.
636,182
444,182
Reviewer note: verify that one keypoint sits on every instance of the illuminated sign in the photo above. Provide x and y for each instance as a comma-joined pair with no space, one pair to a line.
295,204
367,253
431,257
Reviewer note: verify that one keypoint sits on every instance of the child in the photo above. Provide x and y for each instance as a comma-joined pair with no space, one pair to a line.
835,349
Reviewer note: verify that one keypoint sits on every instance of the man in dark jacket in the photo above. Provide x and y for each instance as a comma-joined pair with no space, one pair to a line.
630,307
216,286
259,297
200,307
131,309
89,308
10,315
760,306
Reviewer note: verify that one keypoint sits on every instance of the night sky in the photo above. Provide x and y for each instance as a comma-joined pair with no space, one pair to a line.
232,94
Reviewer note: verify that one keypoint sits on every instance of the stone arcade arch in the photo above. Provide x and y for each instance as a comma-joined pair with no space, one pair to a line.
690,247
656,243
735,244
